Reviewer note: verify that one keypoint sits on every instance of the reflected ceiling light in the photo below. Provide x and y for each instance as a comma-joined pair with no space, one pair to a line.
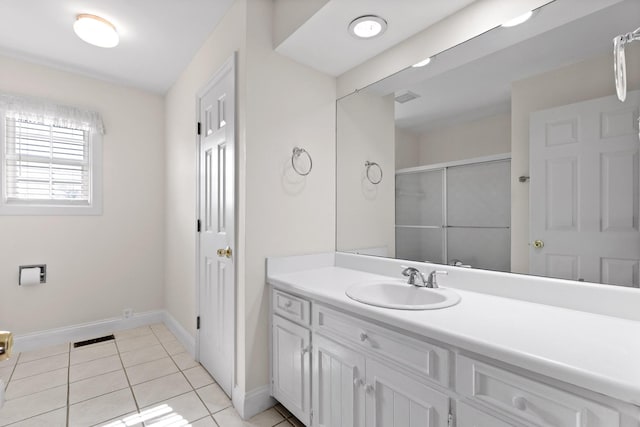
96,30
422,63
368,26
521,19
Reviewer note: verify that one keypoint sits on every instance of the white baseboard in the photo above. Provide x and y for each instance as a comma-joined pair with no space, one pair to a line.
84,331
253,402
180,332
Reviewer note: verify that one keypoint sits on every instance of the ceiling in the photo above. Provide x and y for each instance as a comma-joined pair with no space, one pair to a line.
158,38
324,43
473,80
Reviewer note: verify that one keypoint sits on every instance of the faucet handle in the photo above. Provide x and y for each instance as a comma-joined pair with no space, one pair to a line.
432,281
407,271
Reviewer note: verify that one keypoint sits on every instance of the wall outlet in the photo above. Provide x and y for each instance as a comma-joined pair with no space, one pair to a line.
127,313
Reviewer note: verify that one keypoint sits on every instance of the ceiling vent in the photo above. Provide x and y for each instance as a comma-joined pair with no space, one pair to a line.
406,96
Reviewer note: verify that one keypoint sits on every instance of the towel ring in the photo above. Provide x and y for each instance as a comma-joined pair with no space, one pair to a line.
368,165
297,152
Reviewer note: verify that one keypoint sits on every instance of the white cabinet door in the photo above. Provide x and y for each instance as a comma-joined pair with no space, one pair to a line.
338,385
291,373
394,399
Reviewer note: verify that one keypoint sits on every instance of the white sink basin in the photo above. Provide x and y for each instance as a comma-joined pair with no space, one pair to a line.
400,295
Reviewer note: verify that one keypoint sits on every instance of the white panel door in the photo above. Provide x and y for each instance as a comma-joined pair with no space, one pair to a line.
291,367
584,191
216,291
394,399
338,385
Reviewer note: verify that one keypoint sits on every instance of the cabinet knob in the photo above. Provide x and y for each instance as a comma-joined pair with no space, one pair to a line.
519,402
288,304
305,350
358,382
538,244
369,388
363,336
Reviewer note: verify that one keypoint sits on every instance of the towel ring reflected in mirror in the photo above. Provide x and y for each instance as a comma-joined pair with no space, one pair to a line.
297,152
369,165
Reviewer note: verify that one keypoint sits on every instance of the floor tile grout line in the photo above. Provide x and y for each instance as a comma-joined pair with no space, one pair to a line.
44,357
33,416
135,401
119,354
189,382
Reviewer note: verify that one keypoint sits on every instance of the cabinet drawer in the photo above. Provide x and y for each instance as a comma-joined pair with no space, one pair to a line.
421,357
293,308
528,400
471,417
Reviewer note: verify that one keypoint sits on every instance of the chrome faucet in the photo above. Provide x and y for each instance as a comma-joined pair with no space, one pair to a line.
412,273
432,279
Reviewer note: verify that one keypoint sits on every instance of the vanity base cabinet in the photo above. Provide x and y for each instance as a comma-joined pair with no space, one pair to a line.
529,401
291,367
333,369
352,390
338,380
397,400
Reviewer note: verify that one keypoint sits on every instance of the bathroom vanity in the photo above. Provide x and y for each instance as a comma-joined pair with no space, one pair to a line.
515,351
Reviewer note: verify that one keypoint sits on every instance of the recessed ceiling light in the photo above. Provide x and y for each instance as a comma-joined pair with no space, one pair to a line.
518,20
96,30
366,27
422,63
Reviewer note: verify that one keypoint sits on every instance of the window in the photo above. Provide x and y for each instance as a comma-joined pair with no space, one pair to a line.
50,165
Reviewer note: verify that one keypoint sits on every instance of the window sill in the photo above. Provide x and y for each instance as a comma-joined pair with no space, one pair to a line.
50,210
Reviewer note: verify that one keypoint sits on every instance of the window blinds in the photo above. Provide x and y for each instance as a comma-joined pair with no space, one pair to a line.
45,162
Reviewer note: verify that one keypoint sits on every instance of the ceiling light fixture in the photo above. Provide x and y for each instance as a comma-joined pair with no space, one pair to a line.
422,63
96,30
367,27
521,19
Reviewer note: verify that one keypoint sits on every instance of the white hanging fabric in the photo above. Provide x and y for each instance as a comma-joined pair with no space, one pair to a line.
38,110
619,63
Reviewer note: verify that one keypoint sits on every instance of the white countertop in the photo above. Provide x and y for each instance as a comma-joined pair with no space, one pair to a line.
597,352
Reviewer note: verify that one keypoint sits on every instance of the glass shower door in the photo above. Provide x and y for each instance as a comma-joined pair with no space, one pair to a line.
419,216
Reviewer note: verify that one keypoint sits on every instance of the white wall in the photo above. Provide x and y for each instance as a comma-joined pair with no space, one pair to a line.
288,105
96,265
289,15
407,149
181,160
483,137
366,212
553,89
281,104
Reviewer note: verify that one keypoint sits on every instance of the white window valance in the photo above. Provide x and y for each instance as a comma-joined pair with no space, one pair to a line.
42,111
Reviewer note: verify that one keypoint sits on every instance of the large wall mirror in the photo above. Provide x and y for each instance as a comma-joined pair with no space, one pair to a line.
509,152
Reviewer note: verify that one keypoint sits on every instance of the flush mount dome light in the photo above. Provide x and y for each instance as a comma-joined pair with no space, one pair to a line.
368,26
96,30
521,19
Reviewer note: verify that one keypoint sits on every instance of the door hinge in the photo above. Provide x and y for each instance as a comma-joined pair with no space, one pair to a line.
450,420
199,225
311,417
199,125
198,322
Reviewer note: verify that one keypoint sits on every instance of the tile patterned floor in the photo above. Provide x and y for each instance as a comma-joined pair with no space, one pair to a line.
142,378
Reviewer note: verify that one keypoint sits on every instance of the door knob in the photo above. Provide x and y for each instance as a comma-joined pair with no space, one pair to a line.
538,244
226,252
